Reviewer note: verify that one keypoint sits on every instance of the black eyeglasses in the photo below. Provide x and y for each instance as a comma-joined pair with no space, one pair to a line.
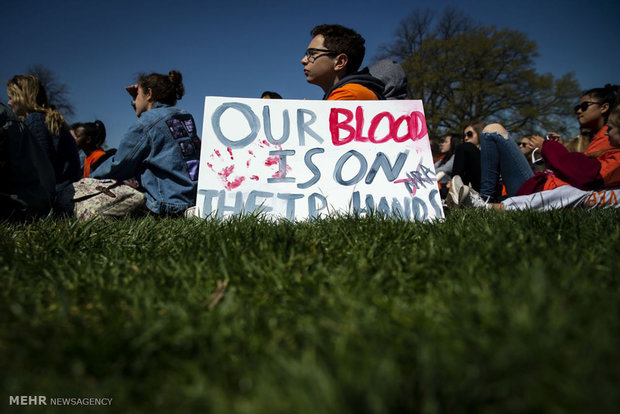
522,144
584,105
313,54
469,134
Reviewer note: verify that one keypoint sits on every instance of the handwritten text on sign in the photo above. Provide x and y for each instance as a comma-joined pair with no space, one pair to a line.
303,159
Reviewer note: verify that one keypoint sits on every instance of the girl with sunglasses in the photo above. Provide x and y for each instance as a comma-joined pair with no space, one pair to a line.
162,149
598,167
466,168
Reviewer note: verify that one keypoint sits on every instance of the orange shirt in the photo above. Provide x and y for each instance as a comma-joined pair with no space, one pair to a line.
553,182
91,159
609,158
352,92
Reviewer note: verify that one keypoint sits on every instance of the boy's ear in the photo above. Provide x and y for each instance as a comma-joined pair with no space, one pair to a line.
341,62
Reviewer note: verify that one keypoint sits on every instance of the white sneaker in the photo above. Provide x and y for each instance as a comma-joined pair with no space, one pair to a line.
191,212
475,200
458,193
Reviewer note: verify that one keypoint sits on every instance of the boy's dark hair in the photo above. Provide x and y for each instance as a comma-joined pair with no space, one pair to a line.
271,94
165,89
343,40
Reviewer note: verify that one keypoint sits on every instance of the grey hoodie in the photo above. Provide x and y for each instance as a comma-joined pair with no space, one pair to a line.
393,76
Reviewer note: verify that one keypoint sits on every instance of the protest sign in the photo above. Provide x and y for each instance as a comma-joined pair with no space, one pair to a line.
305,159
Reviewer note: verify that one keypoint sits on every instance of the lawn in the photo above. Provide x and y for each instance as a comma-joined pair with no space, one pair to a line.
484,312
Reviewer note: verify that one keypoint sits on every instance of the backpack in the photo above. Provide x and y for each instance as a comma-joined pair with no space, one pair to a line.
103,198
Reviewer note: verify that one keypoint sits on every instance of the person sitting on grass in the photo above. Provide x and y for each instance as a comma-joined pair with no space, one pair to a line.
331,61
466,167
89,138
28,99
28,184
443,167
162,149
597,168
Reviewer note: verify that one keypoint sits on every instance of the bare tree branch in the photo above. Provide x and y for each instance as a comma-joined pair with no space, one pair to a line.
463,72
57,92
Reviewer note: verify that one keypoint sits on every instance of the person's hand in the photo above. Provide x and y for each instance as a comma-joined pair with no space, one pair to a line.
536,141
555,137
132,90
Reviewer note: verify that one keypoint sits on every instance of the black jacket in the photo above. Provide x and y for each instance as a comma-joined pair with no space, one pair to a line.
363,78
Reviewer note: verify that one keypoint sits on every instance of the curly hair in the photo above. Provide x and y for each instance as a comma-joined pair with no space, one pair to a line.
165,89
343,40
28,92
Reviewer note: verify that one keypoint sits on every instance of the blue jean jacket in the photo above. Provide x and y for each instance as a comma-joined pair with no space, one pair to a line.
163,150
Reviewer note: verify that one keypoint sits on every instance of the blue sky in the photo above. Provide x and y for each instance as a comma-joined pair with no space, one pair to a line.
241,48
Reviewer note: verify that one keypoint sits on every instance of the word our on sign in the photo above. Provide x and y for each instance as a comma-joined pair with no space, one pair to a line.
306,159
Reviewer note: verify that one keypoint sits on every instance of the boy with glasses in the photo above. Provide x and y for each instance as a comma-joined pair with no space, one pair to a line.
331,61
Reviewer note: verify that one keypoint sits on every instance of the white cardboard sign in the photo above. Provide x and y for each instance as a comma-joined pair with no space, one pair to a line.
298,159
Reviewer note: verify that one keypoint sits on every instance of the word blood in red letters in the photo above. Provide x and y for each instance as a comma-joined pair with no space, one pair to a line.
415,126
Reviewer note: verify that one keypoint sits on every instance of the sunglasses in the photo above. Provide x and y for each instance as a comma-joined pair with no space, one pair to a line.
584,106
469,134
522,144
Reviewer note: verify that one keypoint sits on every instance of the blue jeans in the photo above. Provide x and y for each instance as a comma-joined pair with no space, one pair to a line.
501,155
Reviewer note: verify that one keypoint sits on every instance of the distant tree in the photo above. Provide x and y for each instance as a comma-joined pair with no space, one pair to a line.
57,92
419,25
463,72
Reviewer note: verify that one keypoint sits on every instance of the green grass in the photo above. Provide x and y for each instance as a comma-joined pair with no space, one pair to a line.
482,313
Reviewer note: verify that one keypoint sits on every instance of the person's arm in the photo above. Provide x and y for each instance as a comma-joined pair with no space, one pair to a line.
127,162
575,168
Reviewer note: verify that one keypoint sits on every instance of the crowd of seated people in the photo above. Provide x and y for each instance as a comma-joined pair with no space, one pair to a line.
516,168
160,153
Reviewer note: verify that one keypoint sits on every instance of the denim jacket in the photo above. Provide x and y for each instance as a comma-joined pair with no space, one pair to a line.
163,150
